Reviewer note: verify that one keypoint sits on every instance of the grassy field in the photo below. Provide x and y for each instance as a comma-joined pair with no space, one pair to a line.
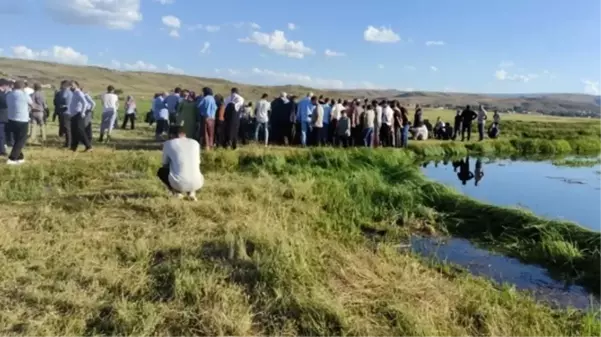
282,241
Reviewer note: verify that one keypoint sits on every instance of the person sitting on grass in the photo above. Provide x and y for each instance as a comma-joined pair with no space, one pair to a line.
181,164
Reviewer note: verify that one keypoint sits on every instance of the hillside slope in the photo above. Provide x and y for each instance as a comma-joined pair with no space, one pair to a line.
144,84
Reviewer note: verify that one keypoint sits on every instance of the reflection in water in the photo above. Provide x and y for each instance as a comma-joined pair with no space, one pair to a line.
533,185
502,269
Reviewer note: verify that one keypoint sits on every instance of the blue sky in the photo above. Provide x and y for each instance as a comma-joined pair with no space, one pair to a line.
511,46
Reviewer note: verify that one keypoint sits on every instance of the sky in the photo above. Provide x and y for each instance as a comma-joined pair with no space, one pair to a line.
493,46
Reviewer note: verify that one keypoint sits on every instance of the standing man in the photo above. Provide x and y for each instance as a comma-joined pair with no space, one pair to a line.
327,116
38,112
262,115
18,103
161,116
303,117
233,104
28,89
110,106
64,116
172,101
482,116
468,115
377,122
458,122
3,116
317,123
89,115
77,111
207,107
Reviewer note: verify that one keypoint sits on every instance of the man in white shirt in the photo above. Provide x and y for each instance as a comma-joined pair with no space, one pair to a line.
110,106
28,89
181,164
386,129
262,116
377,122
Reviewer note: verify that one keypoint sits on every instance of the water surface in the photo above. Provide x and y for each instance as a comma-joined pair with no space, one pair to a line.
568,193
502,269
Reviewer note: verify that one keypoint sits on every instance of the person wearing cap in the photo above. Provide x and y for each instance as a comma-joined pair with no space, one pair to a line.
181,164
4,84
18,104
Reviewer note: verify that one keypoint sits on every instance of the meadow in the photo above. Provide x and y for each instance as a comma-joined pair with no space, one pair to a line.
281,241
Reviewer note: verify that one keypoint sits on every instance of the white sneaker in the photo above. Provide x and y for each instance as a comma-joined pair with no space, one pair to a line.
21,161
12,162
192,196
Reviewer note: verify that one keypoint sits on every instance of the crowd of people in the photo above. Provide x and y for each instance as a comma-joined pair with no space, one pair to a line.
211,120
215,121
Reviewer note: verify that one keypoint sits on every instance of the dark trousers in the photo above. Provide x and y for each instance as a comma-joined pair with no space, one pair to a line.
219,133
332,132
231,133
18,132
456,130
54,115
65,121
161,127
88,130
467,127
163,174
78,132
129,118
386,135
172,118
317,136
343,141
297,133
357,136
244,130
3,127
279,132
480,131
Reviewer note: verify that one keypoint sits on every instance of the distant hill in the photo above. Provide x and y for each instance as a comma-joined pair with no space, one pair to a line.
145,84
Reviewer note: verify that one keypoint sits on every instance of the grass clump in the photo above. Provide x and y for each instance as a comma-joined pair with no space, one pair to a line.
577,162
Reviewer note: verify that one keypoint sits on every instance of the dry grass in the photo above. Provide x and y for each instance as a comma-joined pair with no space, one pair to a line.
90,244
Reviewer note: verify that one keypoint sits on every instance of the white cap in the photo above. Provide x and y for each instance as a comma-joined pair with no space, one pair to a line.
310,94
283,94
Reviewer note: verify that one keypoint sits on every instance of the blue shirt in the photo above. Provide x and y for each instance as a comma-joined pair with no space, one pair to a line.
66,95
78,103
172,101
327,111
160,109
207,107
18,103
304,110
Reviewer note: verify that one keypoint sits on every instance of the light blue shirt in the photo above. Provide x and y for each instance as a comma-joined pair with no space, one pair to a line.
160,109
171,101
304,110
67,95
90,101
327,111
78,104
207,107
18,103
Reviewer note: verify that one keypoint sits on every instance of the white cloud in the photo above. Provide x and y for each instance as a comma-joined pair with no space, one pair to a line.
205,47
278,43
254,25
172,69
165,2
59,54
380,66
591,87
435,43
115,64
291,26
380,35
122,14
408,67
139,66
331,53
506,64
295,78
208,28
173,23
503,75
433,68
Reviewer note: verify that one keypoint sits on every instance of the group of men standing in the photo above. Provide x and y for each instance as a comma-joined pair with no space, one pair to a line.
23,110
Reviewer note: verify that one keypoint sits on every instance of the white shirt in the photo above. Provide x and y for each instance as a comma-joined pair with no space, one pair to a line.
387,115
378,116
263,108
337,111
110,102
236,99
28,91
183,157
